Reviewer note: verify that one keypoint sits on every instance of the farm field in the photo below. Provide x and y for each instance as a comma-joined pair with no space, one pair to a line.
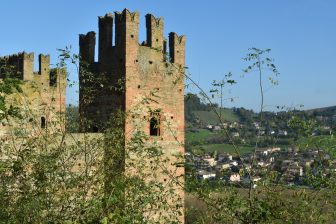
198,139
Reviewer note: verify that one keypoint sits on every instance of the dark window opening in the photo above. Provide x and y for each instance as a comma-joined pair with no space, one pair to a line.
150,62
53,78
95,129
157,40
139,86
43,122
154,129
132,36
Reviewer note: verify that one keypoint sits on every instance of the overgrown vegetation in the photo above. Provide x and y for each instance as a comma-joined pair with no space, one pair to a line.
63,177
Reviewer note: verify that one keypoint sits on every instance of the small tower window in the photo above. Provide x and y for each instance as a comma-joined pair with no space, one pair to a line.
95,129
43,122
154,128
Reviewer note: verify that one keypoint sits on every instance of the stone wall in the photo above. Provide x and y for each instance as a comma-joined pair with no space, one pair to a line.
42,100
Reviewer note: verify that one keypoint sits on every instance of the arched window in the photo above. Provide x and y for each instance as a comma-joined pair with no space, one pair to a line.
154,127
43,122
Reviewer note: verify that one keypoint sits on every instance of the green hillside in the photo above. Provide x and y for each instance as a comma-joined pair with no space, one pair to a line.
199,135
210,117
199,140
227,148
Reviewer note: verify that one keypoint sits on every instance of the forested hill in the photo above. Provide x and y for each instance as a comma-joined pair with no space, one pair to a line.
325,111
201,114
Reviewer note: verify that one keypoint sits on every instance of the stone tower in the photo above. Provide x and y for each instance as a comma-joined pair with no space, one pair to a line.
127,74
42,100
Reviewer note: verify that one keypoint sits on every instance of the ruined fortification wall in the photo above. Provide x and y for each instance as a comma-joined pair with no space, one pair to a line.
42,100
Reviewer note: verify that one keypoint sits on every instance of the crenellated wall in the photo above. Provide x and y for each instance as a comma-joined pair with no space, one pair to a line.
21,66
122,60
42,96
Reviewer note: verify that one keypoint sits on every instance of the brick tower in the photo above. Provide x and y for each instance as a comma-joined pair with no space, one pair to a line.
144,72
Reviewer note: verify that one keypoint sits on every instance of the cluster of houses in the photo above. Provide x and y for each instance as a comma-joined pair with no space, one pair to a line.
236,126
291,165
226,125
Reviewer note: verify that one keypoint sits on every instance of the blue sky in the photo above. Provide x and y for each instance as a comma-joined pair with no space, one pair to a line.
301,34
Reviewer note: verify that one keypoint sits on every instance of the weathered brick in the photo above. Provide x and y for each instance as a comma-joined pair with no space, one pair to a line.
144,72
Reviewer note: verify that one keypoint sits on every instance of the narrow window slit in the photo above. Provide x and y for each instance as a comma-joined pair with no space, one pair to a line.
154,125
43,122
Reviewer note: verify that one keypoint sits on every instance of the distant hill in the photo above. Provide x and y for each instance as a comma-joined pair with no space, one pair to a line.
210,117
324,111
198,112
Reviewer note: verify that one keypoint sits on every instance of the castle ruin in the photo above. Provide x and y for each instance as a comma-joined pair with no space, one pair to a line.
146,81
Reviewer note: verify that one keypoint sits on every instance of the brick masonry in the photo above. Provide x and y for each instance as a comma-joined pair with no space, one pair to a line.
136,78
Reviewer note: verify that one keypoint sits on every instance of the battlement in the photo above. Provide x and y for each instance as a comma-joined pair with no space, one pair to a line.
105,36
127,37
154,29
21,66
177,48
127,16
87,44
